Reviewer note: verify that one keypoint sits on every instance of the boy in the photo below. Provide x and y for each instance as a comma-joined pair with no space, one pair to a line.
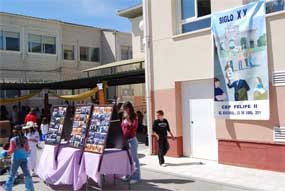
160,128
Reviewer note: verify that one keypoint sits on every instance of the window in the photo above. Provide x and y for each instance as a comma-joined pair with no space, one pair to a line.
126,52
95,54
49,45
84,53
1,41
12,41
89,54
11,93
68,52
272,5
9,41
192,13
42,44
35,43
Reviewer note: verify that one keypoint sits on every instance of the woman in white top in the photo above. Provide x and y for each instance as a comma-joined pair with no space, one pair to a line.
33,138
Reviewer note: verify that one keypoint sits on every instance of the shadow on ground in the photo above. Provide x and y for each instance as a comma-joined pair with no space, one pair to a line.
149,185
185,164
141,155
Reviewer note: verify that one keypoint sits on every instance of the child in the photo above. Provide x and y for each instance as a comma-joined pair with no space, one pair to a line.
19,147
44,129
160,129
33,138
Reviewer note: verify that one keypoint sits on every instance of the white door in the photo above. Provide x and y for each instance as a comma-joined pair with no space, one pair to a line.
204,144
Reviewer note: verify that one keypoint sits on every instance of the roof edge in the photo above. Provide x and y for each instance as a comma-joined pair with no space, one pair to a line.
131,12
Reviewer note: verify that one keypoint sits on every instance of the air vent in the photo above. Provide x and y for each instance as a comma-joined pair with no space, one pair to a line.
279,134
279,78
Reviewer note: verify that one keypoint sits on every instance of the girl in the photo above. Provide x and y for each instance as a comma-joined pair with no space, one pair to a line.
33,137
19,147
129,127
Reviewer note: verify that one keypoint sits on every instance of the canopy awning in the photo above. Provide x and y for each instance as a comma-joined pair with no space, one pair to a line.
116,64
121,78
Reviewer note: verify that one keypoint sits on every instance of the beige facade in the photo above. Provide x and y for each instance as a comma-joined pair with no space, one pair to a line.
182,71
189,56
24,65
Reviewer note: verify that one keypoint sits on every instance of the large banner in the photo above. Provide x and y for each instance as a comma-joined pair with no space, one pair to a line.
240,63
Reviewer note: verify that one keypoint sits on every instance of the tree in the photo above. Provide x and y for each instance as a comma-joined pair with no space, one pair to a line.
261,40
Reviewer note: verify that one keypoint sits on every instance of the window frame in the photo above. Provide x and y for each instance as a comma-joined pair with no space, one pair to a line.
4,42
89,54
91,49
42,45
195,18
73,47
129,52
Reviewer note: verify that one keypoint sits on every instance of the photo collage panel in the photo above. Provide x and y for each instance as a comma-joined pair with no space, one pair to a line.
98,129
79,127
56,125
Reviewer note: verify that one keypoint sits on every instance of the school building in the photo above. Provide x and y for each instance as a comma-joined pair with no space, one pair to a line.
182,72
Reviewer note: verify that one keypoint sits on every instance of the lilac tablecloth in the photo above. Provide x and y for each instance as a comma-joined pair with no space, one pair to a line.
67,169
113,163
64,170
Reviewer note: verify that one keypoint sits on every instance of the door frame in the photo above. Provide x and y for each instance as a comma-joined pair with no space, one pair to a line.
192,89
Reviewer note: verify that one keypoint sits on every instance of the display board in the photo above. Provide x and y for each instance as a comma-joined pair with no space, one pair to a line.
80,126
98,129
56,125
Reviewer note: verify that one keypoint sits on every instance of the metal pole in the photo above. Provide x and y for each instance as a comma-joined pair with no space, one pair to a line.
148,71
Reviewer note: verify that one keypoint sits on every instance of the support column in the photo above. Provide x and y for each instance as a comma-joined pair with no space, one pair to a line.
101,93
46,104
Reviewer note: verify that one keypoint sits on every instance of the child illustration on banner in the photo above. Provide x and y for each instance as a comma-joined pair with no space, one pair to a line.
259,92
219,92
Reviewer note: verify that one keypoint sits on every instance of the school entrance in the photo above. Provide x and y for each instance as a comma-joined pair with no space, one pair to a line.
199,130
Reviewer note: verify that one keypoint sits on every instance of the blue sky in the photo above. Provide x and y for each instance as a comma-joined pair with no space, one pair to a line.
99,13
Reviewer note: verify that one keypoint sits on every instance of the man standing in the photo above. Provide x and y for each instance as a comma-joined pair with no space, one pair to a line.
240,86
160,128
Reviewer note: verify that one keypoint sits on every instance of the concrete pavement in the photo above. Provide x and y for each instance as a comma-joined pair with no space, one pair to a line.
151,181
186,174
211,171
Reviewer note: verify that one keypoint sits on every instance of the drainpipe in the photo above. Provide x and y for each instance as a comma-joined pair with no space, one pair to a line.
147,61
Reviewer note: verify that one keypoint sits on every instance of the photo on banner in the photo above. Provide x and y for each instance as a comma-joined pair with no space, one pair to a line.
241,63
56,125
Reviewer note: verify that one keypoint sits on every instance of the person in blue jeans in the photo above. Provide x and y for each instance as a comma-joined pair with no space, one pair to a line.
19,149
129,127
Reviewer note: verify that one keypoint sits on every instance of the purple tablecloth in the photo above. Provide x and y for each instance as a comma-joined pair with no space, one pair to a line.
67,169
64,171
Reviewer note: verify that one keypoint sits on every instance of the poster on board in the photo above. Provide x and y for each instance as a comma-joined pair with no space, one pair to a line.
240,63
98,129
56,125
80,126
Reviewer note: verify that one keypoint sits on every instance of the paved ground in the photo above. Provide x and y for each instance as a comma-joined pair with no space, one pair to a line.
199,169
185,174
152,181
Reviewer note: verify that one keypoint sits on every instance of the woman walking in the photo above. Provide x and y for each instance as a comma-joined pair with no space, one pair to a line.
19,147
33,138
129,127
